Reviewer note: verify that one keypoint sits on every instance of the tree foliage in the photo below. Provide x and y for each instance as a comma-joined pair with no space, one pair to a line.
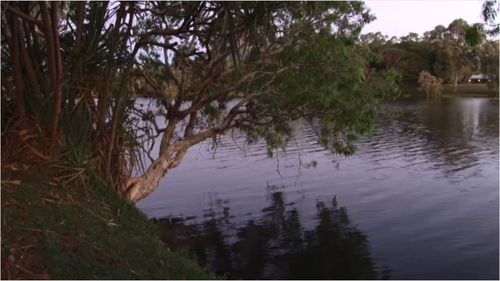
430,85
210,67
452,53
489,13
489,57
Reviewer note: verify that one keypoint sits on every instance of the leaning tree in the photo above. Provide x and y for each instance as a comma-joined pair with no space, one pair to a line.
254,67
211,67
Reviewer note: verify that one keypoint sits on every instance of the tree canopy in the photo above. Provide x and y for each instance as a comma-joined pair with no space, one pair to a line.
211,67
451,53
489,13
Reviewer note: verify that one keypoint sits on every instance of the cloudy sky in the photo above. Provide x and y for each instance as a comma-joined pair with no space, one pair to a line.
398,18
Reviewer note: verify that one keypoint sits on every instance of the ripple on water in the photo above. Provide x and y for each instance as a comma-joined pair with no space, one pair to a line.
423,187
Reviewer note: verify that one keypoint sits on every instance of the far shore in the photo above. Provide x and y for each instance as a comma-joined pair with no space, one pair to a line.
478,90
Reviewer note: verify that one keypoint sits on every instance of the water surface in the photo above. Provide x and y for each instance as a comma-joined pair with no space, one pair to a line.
418,200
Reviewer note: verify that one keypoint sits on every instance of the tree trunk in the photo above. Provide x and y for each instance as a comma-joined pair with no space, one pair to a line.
16,66
58,64
28,66
75,72
112,139
51,36
139,187
110,70
455,83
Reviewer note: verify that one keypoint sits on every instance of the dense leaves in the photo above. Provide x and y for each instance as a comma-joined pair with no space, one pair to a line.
210,67
451,53
430,85
489,14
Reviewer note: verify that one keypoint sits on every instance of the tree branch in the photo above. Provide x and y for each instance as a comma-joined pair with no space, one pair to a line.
24,16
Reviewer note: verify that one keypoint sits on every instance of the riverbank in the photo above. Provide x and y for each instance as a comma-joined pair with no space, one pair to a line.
60,223
469,90
463,90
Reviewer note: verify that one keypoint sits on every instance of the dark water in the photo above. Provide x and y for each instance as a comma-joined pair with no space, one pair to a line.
419,200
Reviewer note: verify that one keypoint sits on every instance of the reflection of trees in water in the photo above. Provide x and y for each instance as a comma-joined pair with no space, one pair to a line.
277,247
450,133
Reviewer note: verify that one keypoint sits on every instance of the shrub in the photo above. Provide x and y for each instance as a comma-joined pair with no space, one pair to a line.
429,84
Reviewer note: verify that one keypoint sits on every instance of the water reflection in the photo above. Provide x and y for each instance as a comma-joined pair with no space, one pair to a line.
276,245
453,136
424,187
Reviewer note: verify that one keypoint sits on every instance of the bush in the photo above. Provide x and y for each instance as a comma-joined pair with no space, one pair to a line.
429,84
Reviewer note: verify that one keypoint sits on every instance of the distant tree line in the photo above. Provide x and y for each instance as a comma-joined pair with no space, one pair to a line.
451,53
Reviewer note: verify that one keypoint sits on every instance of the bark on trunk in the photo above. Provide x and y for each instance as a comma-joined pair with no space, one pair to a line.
16,66
112,138
110,70
140,187
75,74
50,32
57,89
28,66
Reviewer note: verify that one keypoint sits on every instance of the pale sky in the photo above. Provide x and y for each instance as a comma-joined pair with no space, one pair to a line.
398,18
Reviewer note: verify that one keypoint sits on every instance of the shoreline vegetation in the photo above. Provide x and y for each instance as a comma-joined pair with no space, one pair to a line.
469,90
463,91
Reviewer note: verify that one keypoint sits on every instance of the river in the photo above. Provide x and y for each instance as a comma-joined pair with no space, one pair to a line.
418,200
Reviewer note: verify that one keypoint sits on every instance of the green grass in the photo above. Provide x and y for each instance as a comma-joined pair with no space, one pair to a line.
80,231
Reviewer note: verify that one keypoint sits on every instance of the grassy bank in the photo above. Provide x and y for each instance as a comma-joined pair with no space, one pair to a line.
65,225
463,90
468,90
